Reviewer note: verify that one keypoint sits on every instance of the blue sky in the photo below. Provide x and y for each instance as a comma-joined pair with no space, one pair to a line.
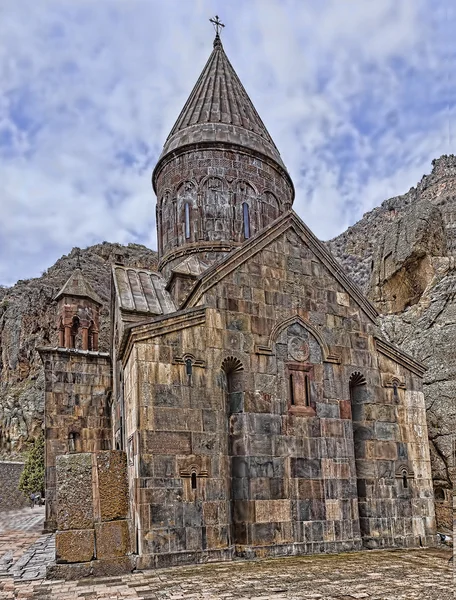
358,96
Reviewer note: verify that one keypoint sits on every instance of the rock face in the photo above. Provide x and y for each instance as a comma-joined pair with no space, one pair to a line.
28,320
402,254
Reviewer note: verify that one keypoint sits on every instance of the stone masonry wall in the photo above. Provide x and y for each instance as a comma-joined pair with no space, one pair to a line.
10,495
222,459
77,416
91,513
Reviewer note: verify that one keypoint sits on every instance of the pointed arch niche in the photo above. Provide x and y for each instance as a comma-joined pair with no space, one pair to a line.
233,371
358,389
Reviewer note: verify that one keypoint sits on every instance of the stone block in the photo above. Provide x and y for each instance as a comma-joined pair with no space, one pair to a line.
77,545
69,572
307,468
272,510
74,491
112,484
112,567
112,539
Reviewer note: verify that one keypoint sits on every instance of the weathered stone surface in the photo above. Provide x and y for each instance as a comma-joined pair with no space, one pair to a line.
112,484
74,491
69,572
112,567
11,497
112,539
74,546
402,265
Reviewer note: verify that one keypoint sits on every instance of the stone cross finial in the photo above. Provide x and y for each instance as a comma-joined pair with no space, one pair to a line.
217,25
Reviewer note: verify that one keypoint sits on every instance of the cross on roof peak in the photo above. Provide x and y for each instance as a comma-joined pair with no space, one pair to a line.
217,26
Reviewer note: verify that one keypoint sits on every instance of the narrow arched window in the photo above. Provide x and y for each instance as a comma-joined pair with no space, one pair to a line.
292,391
188,367
74,331
404,479
245,214
187,220
193,478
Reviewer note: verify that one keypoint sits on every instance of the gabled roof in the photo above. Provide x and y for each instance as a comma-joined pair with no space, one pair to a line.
192,265
141,291
219,109
289,220
78,286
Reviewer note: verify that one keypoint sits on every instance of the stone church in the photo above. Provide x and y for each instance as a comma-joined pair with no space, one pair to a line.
249,405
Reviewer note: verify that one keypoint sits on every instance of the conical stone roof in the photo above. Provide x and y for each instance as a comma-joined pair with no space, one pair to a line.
220,110
79,287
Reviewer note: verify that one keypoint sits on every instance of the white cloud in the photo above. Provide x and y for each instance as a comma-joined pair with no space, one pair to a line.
349,92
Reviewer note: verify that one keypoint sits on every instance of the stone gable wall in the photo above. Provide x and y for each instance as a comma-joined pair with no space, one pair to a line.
223,463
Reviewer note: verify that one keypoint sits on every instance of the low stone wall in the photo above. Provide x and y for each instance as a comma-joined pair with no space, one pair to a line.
92,535
10,496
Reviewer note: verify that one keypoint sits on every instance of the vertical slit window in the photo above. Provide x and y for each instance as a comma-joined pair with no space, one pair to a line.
292,391
193,481
187,220
404,480
306,391
245,214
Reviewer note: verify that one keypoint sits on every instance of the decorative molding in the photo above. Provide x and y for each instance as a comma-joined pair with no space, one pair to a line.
201,246
390,381
218,145
187,472
279,327
404,468
356,379
298,349
399,356
180,360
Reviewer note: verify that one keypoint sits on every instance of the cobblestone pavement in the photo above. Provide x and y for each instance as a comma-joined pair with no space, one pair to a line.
375,575
18,530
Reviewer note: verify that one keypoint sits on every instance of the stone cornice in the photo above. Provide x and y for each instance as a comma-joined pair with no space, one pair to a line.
162,325
399,356
264,238
195,247
43,350
219,145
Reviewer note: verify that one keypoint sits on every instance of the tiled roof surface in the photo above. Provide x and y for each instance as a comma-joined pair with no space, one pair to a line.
78,286
142,291
219,109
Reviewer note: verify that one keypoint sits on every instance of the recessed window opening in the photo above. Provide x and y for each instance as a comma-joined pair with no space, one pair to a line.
404,479
292,391
245,214
187,220
193,478
188,367
306,390
395,388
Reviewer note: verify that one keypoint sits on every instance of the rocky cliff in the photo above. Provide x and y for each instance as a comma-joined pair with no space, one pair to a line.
402,254
28,320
